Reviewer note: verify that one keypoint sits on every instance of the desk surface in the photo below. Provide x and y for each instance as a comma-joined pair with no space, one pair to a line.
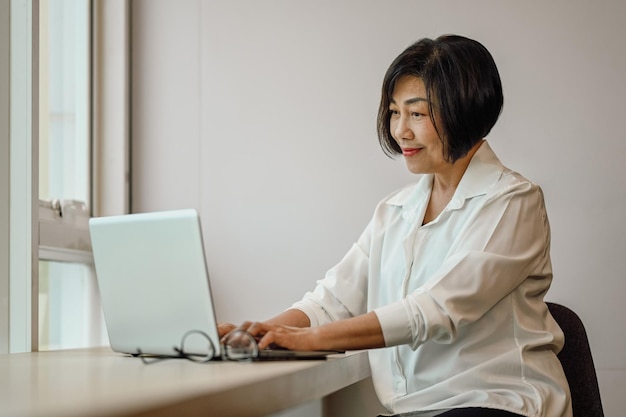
98,382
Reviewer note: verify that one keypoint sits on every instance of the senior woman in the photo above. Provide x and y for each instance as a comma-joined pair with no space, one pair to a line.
446,284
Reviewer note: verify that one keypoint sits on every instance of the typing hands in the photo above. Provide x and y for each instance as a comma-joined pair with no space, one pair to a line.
274,335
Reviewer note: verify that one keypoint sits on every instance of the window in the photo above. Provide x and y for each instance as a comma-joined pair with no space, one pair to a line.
69,310
63,112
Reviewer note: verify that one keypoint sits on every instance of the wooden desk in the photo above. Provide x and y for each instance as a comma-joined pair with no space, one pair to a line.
98,382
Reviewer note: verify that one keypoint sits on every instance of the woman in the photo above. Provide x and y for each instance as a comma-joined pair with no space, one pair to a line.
446,283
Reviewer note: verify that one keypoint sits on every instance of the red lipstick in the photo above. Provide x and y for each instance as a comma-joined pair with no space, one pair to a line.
410,151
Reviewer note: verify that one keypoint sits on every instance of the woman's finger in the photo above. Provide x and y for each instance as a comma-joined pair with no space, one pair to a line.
258,329
224,328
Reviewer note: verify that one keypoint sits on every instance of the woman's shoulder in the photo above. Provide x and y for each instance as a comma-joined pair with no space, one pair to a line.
512,182
486,171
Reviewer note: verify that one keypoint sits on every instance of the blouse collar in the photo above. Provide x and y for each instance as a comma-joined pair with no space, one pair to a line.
483,171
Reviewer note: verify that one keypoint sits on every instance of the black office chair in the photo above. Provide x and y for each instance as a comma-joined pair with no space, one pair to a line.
577,363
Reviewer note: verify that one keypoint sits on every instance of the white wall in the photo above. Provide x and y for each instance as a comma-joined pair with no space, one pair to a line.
262,116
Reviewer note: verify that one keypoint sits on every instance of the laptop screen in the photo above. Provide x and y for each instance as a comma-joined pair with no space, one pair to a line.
154,282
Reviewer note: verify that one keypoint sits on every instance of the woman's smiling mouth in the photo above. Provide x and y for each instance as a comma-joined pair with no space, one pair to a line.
410,151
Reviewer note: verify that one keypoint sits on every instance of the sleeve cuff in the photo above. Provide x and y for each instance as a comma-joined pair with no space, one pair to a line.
316,314
395,322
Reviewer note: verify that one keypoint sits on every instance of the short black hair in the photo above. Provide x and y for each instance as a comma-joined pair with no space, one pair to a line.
463,89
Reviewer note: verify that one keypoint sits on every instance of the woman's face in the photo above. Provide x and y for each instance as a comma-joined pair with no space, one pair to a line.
413,130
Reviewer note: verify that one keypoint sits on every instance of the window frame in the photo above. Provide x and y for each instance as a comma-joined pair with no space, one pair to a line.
20,216
19,228
5,171
111,66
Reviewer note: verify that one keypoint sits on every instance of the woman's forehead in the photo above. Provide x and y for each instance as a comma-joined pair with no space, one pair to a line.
409,89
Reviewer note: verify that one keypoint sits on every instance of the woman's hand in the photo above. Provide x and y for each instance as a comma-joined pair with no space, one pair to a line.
291,317
288,337
224,328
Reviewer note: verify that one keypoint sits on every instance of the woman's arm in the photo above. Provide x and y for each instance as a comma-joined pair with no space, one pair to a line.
361,332
291,317
334,311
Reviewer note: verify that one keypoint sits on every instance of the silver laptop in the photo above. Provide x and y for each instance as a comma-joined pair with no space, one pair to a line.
154,285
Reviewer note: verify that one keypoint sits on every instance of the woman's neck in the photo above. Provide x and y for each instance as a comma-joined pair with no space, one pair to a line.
445,184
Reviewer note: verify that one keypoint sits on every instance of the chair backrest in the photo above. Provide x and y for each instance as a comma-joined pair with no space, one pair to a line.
577,363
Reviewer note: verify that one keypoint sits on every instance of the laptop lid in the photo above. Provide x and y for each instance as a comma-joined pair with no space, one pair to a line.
153,281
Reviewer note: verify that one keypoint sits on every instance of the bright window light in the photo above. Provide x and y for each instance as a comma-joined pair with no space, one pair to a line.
69,309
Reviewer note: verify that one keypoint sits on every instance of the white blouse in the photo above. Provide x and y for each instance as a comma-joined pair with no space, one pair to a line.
460,299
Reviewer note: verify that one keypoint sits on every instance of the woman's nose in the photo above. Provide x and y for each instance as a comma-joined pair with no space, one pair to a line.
401,129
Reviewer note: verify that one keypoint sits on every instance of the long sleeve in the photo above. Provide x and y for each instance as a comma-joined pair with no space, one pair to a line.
343,291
